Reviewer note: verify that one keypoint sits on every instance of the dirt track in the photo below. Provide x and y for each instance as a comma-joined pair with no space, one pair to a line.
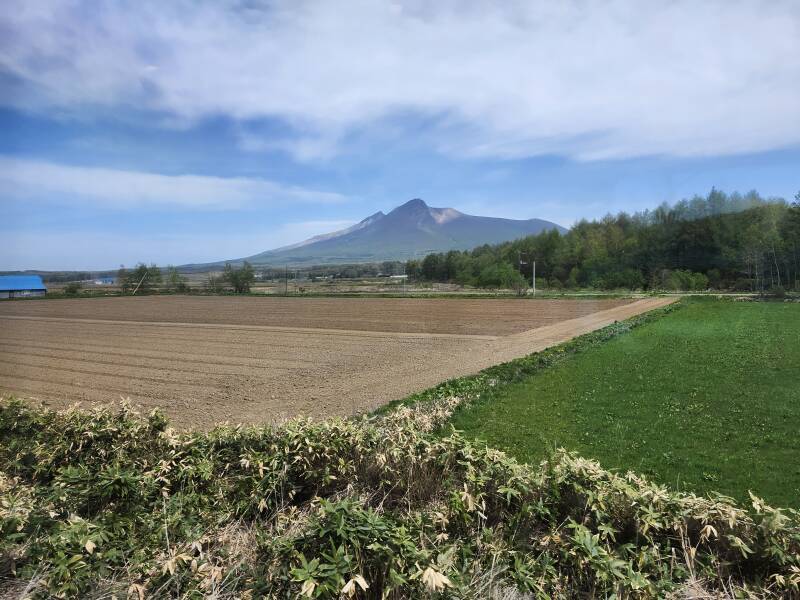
253,360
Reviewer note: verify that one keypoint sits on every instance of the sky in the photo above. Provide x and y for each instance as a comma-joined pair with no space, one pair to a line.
192,131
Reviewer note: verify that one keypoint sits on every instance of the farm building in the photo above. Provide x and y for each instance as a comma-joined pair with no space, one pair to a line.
19,286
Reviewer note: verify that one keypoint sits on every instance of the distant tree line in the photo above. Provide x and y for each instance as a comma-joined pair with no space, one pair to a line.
742,242
338,271
145,279
69,276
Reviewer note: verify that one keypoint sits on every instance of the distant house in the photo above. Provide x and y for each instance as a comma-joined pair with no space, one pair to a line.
104,281
20,286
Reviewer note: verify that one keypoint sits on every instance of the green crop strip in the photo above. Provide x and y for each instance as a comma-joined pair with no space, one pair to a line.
491,382
707,398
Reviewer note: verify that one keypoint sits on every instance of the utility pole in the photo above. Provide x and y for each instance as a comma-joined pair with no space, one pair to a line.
286,280
525,262
138,284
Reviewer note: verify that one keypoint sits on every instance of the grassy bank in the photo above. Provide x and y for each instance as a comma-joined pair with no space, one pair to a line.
706,398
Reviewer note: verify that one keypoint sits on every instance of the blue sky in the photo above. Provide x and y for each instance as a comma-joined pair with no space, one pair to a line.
196,131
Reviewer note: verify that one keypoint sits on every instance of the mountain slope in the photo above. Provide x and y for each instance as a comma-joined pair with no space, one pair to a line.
410,230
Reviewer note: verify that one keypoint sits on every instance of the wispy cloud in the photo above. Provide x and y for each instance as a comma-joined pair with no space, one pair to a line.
111,188
506,79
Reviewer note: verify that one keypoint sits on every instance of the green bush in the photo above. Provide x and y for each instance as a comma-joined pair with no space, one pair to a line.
501,275
73,288
631,279
679,280
101,503
241,278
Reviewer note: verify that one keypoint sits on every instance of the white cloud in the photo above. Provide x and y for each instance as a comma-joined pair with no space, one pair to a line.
93,250
588,80
303,148
22,179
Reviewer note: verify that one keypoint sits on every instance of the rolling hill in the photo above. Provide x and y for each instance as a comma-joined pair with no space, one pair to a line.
413,229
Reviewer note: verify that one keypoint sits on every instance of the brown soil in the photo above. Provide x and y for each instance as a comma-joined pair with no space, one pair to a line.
416,315
256,360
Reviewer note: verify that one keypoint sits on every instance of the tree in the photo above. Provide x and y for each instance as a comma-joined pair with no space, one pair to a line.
413,269
213,283
73,288
143,279
239,279
792,236
388,268
431,266
175,281
742,241
122,278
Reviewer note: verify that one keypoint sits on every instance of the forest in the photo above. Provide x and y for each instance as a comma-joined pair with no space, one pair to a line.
720,241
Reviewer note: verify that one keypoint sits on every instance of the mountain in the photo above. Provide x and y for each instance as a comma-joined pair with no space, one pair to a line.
413,229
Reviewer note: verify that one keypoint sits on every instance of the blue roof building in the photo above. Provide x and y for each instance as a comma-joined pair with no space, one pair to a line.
18,286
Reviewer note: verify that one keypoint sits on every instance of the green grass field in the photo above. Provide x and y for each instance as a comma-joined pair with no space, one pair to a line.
706,398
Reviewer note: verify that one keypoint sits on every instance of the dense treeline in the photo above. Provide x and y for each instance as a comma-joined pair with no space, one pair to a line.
735,241
337,271
65,277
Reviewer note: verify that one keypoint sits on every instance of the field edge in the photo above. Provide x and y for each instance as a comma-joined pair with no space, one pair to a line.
483,385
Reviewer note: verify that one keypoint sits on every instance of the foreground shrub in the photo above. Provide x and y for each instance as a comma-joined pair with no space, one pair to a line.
107,502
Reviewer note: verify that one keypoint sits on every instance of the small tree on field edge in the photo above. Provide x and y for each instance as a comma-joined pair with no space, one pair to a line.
239,279
142,279
73,288
175,281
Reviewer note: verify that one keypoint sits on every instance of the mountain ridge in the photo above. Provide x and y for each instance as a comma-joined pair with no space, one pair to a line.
409,231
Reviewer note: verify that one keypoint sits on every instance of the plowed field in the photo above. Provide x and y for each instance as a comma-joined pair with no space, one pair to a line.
253,360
